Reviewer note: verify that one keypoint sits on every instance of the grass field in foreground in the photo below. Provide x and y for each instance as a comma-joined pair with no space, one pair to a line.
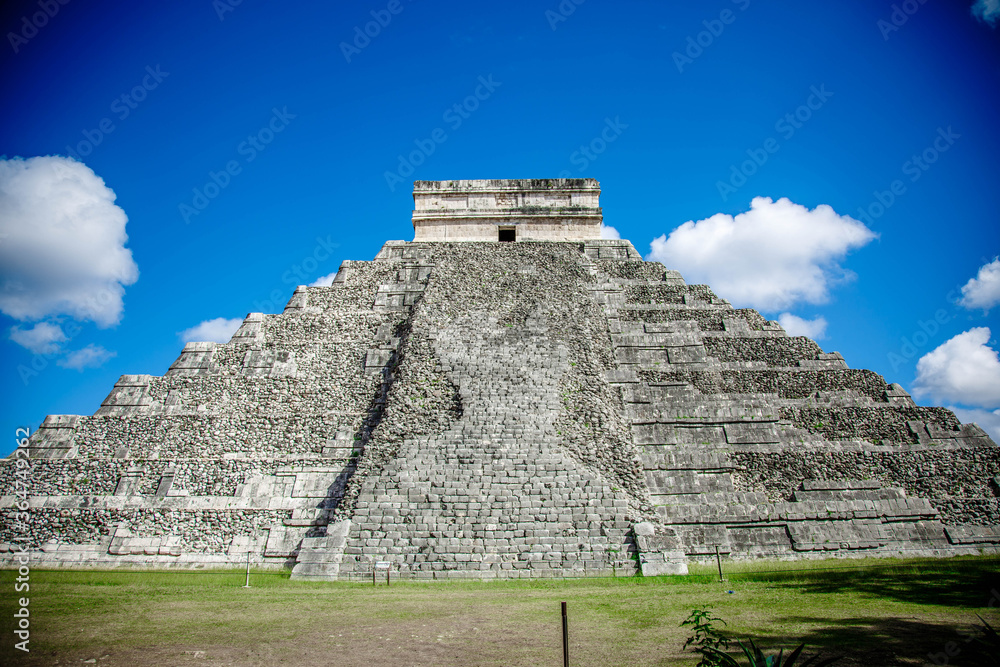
874,612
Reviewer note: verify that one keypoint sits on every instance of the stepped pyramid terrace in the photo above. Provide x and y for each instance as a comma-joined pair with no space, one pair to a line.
507,395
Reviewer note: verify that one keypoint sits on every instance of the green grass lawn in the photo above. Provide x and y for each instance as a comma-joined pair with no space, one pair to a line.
874,612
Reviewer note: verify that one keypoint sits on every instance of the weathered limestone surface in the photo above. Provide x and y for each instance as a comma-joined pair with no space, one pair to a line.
532,476
557,209
485,409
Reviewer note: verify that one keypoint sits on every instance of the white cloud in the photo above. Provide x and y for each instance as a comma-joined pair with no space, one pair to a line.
43,338
797,326
63,250
609,232
324,281
987,420
91,356
771,257
219,330
963,370
987,10
983,291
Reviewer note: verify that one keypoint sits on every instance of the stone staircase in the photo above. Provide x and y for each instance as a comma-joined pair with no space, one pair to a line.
495,496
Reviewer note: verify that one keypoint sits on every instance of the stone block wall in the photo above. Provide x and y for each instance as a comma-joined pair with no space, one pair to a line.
240,446
763,445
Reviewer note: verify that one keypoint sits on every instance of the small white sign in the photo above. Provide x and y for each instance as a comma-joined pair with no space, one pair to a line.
382,565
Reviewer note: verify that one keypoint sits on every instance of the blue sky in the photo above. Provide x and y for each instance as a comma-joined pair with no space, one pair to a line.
253,146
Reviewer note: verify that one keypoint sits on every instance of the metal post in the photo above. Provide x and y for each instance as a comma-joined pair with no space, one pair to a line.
387,570
718,561
565,637
373,576
247,585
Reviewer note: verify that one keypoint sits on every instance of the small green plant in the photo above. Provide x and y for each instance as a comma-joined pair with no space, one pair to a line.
756,658
706,639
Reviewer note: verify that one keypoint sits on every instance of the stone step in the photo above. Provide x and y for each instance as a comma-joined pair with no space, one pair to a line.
664,484
319,558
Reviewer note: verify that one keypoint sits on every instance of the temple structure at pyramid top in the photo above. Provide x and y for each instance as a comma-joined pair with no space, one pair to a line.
551,209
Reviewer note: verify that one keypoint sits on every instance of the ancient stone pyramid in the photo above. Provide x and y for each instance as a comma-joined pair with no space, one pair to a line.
467,407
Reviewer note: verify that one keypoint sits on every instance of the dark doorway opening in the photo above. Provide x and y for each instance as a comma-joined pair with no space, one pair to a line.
508,235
